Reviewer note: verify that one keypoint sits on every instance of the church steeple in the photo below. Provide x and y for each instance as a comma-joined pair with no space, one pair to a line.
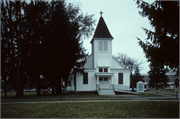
101,13
101,29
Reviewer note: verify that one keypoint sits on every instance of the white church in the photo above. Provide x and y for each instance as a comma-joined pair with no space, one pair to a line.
104,74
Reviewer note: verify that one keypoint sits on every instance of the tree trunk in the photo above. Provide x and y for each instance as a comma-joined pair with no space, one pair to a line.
132,84
19,40
75,83
53,89
58,87
5,86
156,87
22,76
18,83
38,88
132,81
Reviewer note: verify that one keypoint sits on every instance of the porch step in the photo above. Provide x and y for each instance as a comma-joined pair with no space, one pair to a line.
106,92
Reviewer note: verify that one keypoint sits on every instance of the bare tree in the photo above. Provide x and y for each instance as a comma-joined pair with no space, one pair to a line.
129,63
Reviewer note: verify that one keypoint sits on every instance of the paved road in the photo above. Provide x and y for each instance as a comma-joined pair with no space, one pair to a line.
113,97
84,101
131,97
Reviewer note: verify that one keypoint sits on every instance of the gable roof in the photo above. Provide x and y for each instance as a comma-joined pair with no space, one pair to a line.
101,30
104,63
89,62
118,62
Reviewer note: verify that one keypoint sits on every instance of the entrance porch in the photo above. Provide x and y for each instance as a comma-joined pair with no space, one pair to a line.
104,80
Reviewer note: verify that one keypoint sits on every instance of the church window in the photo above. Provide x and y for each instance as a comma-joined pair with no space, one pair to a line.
100,70
85,78
105,70
105,46
100,46
120,77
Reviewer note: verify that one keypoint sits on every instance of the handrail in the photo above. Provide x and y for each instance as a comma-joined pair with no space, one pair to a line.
113,87
98,88
121,87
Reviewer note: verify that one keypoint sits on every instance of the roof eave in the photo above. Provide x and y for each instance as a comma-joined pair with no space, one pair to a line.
100,38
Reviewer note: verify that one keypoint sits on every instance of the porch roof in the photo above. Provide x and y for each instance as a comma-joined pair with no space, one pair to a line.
104,74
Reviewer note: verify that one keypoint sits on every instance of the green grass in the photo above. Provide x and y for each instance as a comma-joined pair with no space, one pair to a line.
163,90
152,94
161,99
129,109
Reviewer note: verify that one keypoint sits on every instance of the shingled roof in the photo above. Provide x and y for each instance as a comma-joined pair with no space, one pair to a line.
101,30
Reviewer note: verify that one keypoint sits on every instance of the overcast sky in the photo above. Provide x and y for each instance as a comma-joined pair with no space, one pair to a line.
124,24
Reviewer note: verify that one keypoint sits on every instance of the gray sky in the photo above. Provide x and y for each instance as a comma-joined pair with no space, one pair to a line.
124,24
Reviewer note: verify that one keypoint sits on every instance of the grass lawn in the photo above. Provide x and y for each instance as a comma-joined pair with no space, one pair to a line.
152,94
163,90
161,99
128,109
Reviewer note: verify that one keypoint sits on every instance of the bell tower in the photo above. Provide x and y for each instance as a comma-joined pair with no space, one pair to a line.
102,45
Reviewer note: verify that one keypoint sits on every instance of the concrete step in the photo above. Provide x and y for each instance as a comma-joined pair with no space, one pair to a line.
106,92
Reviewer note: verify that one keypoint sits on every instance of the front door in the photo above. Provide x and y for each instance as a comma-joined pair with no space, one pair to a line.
103,83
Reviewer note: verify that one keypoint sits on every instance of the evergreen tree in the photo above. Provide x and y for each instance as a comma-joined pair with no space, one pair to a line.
12,27
137,76
162,44
157,75
63,44
42,37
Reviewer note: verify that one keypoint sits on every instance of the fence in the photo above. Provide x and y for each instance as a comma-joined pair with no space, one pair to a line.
98,88
86,87
119,87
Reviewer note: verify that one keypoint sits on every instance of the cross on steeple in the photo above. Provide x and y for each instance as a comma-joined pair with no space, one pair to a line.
101,13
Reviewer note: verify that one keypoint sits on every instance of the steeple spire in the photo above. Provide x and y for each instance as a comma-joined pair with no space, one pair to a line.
101,29
101,13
